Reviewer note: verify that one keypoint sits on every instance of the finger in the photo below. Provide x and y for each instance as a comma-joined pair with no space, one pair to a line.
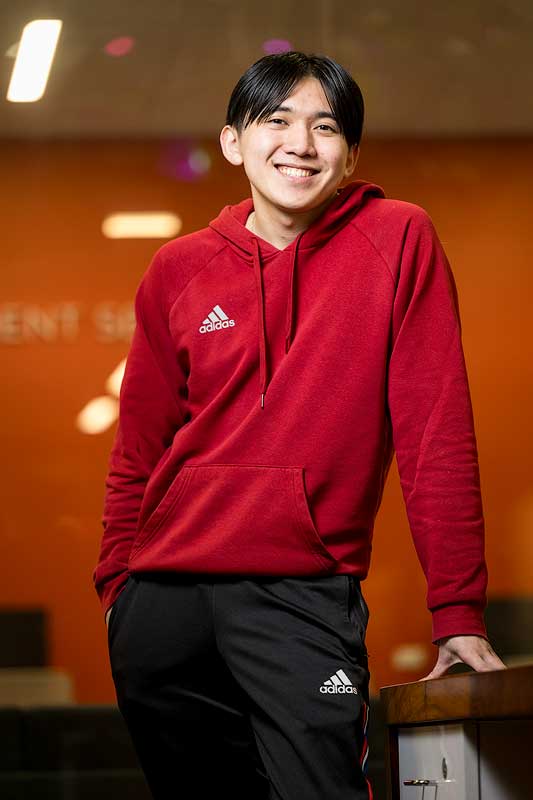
492,662
481,659
493,658
438,670
479,662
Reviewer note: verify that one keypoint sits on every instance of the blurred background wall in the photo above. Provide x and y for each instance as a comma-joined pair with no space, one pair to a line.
130,122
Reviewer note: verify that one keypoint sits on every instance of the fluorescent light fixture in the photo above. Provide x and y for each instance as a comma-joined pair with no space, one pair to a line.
34,60
141,225
409,657
114,381
11,52
98,415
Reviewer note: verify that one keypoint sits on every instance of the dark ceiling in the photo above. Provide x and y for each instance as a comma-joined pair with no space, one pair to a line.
425,68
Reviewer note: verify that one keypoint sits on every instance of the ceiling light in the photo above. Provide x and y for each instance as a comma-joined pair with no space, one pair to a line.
409,657
32,65
114,381
98,415
141,225
272,46
120,46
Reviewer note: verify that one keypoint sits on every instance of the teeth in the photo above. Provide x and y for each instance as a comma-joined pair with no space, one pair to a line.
299,173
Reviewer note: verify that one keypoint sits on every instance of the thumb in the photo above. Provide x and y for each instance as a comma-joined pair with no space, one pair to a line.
444,662
436,672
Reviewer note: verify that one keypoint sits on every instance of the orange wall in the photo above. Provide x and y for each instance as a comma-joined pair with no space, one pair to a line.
54,197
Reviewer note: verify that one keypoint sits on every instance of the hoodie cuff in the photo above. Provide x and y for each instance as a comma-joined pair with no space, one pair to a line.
459,619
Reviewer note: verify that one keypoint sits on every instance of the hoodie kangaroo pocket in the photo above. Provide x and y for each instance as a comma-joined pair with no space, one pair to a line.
162,510
234,518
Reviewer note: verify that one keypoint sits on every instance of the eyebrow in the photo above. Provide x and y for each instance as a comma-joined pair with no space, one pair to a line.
317,115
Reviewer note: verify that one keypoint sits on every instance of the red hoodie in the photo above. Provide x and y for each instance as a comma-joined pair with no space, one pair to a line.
266,390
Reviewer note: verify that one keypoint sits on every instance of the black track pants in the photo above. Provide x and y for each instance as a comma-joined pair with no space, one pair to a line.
246,688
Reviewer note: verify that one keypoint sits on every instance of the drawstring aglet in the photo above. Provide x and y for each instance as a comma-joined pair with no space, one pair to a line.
262,399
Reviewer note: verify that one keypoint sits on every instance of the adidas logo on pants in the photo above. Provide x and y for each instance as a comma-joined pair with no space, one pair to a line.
339,683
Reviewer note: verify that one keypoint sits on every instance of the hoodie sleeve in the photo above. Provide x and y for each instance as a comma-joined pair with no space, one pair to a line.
150,412
433,434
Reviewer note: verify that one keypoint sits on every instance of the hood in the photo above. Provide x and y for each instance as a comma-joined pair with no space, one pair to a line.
230,225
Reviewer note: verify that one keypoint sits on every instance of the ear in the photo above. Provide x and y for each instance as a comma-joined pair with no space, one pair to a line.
229,142
351,159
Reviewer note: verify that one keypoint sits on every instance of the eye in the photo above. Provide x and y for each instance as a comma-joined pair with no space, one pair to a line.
276,119
323,125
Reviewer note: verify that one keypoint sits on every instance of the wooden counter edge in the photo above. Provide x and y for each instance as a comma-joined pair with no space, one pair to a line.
499,694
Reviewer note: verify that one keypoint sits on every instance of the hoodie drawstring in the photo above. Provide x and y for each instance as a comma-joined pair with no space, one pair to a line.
290,298
262,332
263,366
230,225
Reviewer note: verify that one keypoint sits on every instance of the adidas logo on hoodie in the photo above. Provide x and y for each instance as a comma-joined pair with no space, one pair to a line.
339,683
215,320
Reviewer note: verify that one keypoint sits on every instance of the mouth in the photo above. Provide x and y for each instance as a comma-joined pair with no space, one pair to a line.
297,174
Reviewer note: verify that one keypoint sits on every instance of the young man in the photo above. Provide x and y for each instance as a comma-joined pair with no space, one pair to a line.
280,356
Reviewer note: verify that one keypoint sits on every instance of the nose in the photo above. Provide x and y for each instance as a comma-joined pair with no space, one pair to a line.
299,140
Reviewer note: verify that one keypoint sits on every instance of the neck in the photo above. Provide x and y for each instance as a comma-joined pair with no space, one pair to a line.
282,228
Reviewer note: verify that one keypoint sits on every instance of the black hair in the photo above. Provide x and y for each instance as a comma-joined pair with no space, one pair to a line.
269,81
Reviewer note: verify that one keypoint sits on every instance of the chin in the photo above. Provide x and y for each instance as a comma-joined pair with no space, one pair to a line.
300,208
302,203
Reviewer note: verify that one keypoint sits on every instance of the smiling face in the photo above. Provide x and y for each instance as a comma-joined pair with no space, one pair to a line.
296,158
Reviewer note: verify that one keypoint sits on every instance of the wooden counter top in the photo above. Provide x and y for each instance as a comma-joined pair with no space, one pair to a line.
500,694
